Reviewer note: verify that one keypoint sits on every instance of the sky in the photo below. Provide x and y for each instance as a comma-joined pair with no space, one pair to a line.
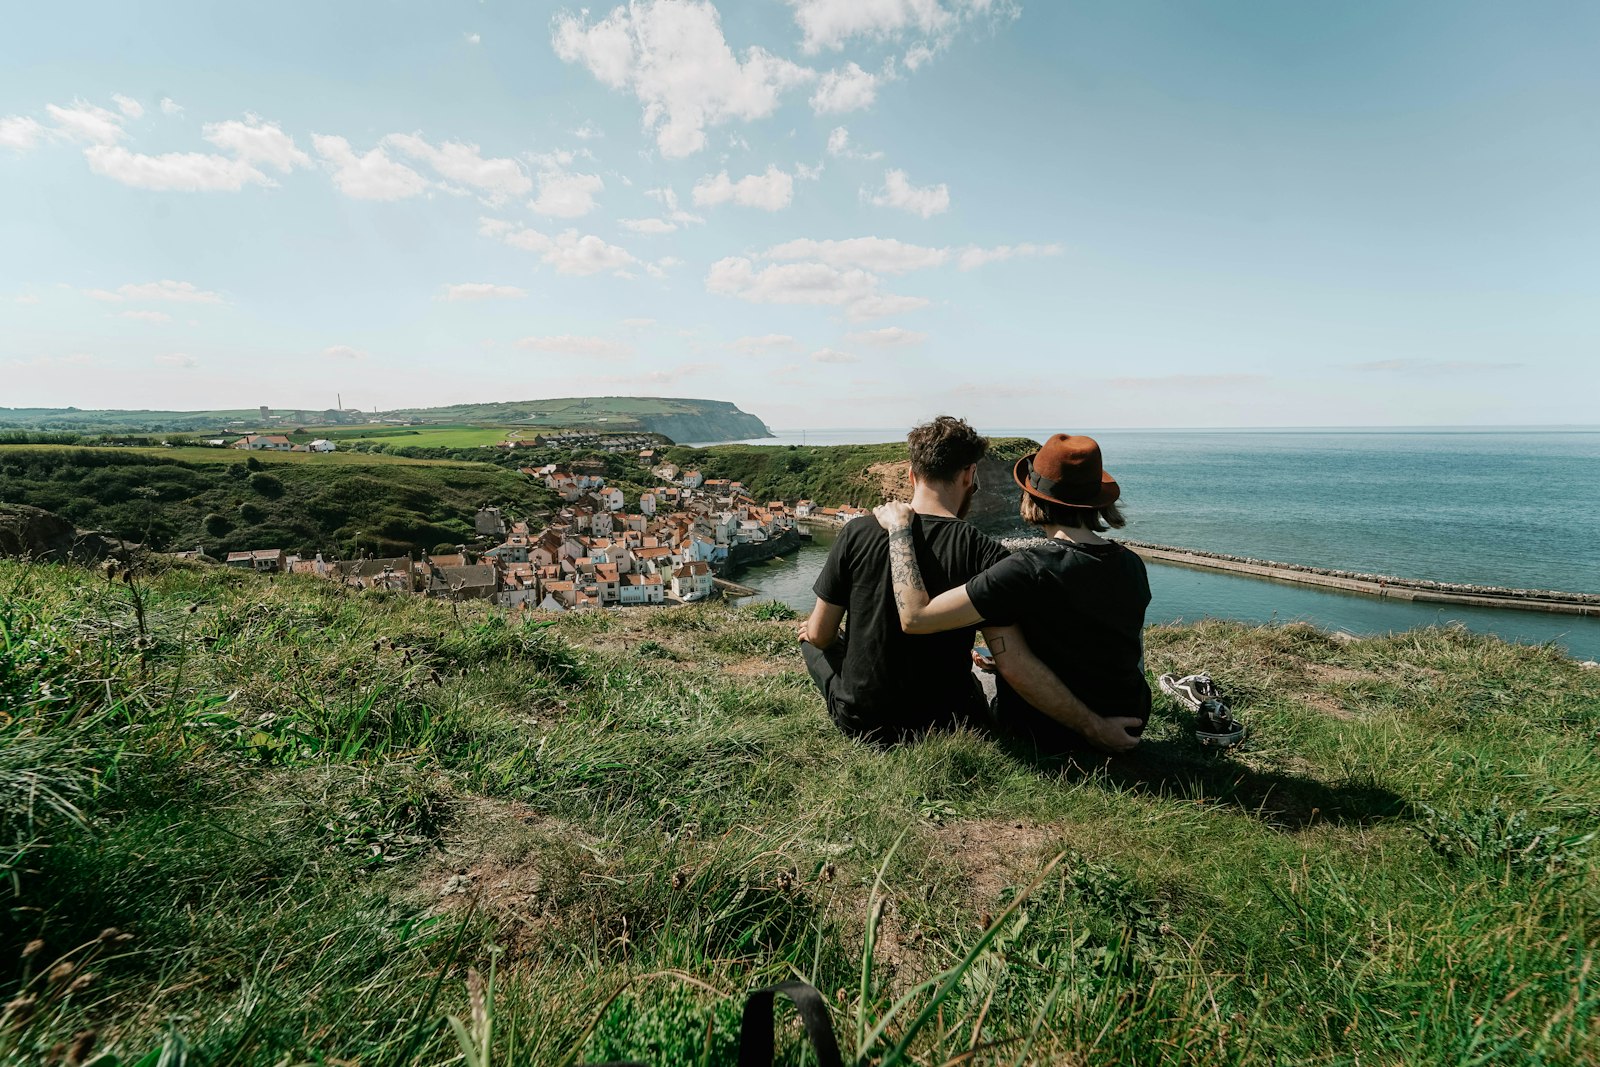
834,213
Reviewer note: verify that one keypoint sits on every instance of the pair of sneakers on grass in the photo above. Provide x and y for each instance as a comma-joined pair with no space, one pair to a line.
1214,724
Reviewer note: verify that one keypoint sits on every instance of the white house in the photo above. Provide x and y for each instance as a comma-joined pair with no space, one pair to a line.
692,581
264,442
643,589
322,444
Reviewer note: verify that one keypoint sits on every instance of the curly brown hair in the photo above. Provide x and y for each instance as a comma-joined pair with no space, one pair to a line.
943,448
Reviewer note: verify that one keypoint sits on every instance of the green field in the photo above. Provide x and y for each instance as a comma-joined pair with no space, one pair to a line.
204,454
416,436
303,813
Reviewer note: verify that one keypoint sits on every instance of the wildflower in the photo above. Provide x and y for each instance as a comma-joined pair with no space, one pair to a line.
60,972
80,983
108,934
32,948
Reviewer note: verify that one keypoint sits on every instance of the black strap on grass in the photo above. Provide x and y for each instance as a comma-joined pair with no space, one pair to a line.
756,1039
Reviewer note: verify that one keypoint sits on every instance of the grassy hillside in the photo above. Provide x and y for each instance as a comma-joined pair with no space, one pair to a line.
272,823
212,498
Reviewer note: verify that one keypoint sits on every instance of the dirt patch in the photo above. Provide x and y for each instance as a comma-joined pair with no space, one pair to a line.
993,854
893,479
756,668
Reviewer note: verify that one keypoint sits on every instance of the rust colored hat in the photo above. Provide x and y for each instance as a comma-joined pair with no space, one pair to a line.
1067,471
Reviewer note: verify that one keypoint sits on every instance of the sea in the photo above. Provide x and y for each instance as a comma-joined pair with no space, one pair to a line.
1505,507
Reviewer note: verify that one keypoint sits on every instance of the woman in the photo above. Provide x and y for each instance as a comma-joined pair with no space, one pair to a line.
1078,598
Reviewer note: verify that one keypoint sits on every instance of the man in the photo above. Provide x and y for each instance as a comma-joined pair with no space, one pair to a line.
879,682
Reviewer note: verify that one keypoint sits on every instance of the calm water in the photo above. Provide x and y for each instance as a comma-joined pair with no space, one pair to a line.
1489,507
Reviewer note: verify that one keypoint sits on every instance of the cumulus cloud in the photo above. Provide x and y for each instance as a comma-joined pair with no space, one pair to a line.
832,355
856,291
672,56
767,342
170,106
573,345
830,23
84,122
888,337
886,255
839,145
977,257
771,191
128,105
647,226
167,289
497,179
373,176
473,38
256,141
847,89
146,316
181,360
898,192
565,195
189,172
568,253
345,352
19,133
481,291
588,132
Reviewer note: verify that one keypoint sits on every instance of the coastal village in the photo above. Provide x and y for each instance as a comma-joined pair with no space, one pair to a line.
594,553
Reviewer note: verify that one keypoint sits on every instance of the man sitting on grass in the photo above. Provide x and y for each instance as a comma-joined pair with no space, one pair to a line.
879,682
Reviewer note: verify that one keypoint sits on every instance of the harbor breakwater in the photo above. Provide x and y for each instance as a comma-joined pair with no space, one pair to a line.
1378,585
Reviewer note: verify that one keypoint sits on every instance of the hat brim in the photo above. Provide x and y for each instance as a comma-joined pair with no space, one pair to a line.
1108,492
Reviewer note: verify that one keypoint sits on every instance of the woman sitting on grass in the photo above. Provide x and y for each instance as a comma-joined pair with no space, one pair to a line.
1078,598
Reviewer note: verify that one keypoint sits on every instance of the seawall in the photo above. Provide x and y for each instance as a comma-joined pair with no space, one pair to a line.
1378,585
740,556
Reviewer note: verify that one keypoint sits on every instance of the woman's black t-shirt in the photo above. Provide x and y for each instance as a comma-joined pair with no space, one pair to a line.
1081,608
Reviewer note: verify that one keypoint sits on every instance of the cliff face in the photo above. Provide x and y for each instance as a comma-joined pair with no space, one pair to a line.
33,533
716,421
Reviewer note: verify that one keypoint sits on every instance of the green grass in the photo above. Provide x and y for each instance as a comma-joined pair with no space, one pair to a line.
225,456
306,813
428,436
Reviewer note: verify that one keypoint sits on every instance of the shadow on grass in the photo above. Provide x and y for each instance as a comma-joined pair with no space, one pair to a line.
1174,769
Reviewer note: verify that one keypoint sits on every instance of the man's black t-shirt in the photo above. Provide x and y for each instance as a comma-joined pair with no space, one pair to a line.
1081,607
891,681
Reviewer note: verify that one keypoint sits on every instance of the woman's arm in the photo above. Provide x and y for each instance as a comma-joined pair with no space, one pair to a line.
949,610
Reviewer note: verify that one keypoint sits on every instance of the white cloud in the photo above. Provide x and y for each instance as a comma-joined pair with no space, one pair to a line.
882,254
830,23
977,257
498,179
807,283
191,172
771,191
19,133
672,56
481,291
473,38
256,141
565,195
167,289
588,132
373,176
898,192
572,345
345,352
128,105
832,355
146,316
170,106
839,145
177,359
806,173
649,226
568,253
888,337
86,122
847,89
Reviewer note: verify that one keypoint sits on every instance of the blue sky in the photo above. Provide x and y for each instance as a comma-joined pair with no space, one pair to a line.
831,212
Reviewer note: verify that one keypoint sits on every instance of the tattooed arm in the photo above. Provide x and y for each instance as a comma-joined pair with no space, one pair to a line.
1039,686
949,610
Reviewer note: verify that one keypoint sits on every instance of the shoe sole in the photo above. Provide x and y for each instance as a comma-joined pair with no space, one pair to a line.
1227,740
1168,686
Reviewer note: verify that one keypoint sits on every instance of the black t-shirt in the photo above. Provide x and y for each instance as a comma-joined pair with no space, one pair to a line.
1081,607
892,680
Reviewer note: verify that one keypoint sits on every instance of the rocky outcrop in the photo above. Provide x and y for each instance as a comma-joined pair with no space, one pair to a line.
33,533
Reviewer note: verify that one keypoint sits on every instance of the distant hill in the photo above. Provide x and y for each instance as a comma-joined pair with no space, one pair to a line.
679,418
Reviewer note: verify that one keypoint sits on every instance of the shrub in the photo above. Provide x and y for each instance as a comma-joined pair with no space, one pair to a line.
253,463
266,485
217,525
251,513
